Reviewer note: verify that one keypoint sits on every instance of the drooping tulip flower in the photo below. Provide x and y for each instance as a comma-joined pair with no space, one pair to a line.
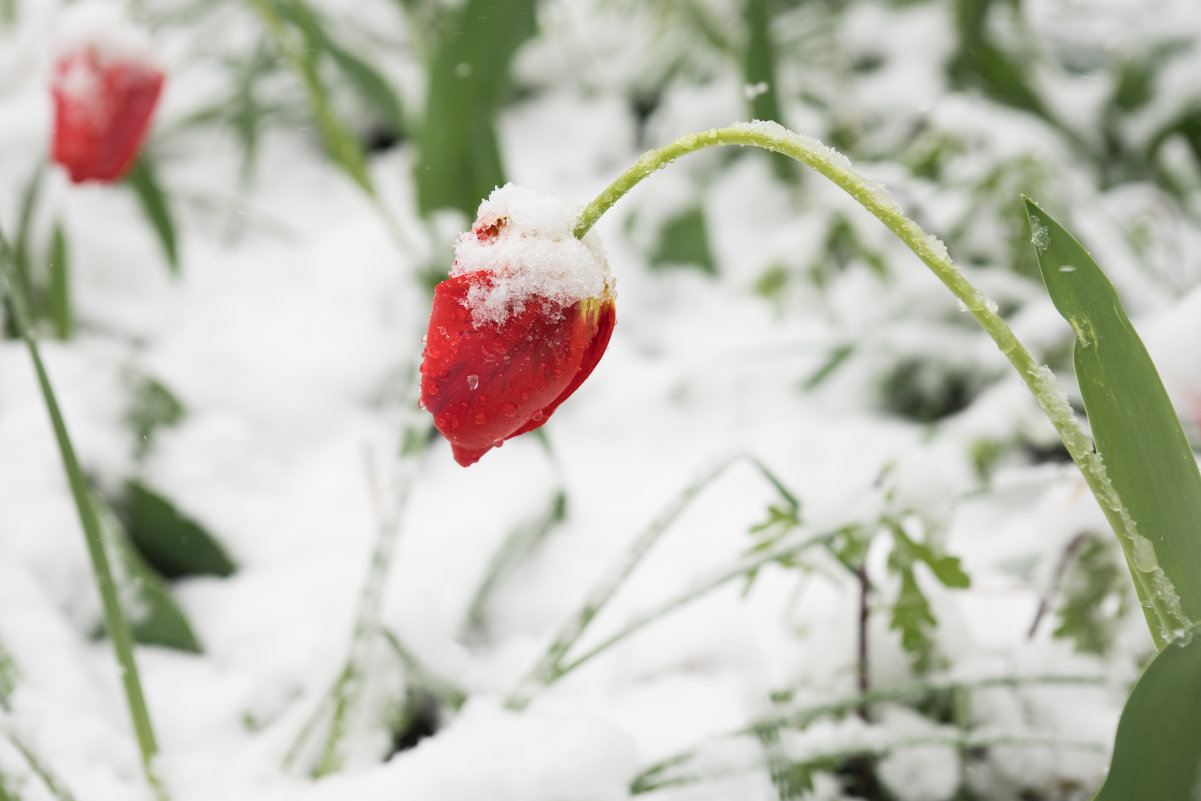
106,84
522,320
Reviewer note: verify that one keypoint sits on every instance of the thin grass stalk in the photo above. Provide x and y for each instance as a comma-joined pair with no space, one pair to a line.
743,567
547,668
347,687
645,782
115,622
550,668
873,197
53,785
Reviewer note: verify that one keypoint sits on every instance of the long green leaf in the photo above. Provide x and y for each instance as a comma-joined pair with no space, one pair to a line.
1157,752
459,154
1137,433
154,203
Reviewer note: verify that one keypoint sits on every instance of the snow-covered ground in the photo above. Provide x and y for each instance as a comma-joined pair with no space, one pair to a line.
819,347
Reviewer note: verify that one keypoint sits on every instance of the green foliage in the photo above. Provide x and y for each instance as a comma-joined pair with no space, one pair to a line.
1137,433
8,676
472,49
912,616
151,407
154,616
171,542
925,390
144,182
1095,596
305,56
684,242
1157,751
374,89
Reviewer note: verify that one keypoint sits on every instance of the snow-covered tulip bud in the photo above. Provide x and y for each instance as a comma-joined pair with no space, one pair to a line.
520,323
106,84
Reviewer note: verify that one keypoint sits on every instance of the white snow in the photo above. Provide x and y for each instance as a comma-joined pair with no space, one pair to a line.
292,338
524,239
99,26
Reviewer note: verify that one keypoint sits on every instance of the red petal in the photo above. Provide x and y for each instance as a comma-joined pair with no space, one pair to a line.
101,114
486,384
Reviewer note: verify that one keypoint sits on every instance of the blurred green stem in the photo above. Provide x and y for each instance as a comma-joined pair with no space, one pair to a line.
875,198
114,619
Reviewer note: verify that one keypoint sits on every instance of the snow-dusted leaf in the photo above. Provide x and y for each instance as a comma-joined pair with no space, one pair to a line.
1157,751
1134,425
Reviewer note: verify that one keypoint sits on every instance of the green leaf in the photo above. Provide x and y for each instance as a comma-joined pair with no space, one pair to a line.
1157,751
174,544
912,616
1092,578
142,180
1137,433
684,241
59,290
458,160
154,616
151,407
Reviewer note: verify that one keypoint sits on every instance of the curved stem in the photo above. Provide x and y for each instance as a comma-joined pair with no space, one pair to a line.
875,198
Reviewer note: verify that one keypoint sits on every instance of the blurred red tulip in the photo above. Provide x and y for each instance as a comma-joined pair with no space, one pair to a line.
486,380
102,109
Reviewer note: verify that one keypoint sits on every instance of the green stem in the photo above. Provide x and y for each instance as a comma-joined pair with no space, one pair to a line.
114,619
875,198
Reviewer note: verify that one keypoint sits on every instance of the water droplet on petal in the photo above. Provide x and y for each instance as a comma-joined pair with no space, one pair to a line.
536,416
508,409
473,381
481,418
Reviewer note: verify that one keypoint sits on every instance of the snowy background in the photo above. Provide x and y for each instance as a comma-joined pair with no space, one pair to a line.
256,399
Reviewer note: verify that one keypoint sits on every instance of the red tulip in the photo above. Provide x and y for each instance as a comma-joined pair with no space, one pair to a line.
521,322
104,97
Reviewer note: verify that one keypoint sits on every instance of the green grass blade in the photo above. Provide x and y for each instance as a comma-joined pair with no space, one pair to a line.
1157,751
155,618
59,290
1137,433
114,619
366,79
340,143
154,203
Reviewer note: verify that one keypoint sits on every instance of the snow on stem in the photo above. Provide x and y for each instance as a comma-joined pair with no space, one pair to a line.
875,198
115,622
